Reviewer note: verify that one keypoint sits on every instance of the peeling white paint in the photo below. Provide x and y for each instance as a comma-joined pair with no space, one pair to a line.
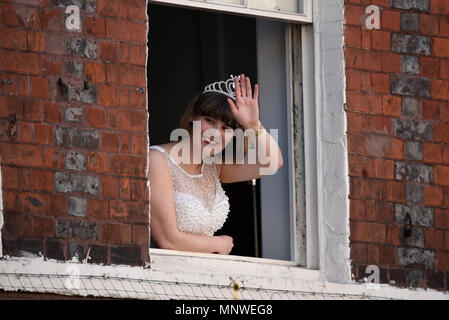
179,275
332,156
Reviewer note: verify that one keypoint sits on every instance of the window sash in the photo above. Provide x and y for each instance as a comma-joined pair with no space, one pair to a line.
255,8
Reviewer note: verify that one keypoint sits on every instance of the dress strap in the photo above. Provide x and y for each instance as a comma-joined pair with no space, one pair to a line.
168,156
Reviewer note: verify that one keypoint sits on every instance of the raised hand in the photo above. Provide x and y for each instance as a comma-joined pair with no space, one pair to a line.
246,106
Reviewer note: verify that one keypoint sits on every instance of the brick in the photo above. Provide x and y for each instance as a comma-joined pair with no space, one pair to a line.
440,89
414,256
95,117
370,103
410,43
407,171
98,162
54,249
412,129
23,62
43,134
136,10
387,255
363,59
435,280
420,5
39,87
128,120
410,64
410,86
433,196
353,37
138,99
410,21
95,26
42,180
110,141
384,169
124,52
53,158
381,40
52,113
444,73
110,187
126,235
71,182
138,54
413,150
441,218
73,114
57,206
444,26
128,255
77,207
428,24
431,110
107,7
416,278
439,7
420,216
442,175
139,190
43,227
433,152
411,107
97,254
107,96
98,209
441,133
414,193
75,68
50,66
125,30
391,105
109,52
415,239
128,165
74,250
430,67
10,177
68,137
367,231
111,233
95,72
394,191
441,47
20,247
390,19
21,155
434,239
26,129
74,229
442,261
81,47
125,188
380,83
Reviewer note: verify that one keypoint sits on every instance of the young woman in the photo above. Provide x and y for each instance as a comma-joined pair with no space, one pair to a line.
188,204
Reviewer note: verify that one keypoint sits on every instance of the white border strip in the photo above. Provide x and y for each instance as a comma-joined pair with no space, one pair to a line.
177,276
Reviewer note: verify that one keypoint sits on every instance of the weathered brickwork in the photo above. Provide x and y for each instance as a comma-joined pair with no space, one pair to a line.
73,130
398,131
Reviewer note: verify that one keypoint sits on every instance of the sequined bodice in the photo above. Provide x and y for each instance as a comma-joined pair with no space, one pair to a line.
201,204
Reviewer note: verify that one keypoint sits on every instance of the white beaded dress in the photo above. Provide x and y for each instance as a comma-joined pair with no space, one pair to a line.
201,204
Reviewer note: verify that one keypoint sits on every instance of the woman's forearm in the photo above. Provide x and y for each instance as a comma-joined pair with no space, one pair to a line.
183,241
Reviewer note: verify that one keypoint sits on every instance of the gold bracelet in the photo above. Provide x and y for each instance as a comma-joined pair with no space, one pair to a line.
261,130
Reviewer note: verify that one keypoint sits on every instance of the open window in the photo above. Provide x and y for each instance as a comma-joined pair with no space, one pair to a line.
190,47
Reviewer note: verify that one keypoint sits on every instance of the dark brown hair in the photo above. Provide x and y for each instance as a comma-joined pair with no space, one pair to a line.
214,105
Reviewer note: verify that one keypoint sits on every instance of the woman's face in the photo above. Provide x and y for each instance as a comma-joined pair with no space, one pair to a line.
212,132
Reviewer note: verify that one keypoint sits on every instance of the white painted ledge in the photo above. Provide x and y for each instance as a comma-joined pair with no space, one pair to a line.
175,275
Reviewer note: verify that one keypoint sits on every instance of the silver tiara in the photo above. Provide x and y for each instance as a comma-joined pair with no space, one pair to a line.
225,87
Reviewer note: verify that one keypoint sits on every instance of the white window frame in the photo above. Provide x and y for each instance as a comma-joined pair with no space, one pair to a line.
305,17
326,179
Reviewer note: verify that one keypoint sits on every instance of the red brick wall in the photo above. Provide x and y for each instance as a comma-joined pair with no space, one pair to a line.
398,134
73,130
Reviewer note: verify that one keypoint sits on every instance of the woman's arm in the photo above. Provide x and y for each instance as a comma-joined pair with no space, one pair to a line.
164,228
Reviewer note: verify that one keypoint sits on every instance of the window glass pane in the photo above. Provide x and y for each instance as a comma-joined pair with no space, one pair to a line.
234,2
291,6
